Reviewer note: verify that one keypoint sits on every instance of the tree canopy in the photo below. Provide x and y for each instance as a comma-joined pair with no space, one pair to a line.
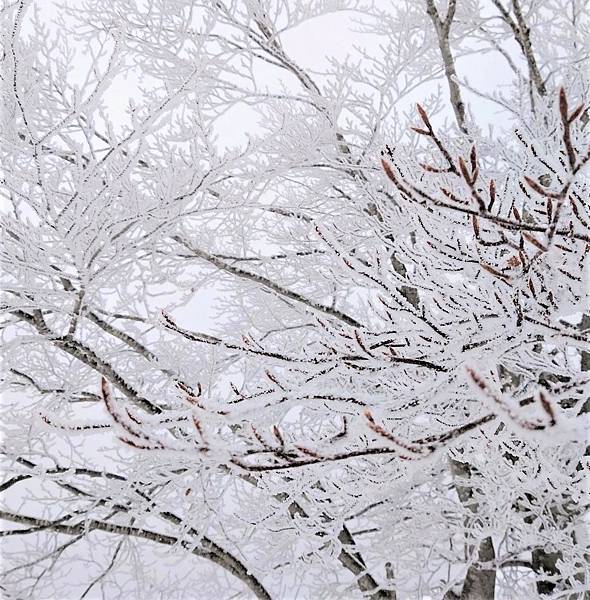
295,299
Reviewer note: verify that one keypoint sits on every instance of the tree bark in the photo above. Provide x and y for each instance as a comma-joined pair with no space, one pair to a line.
479,584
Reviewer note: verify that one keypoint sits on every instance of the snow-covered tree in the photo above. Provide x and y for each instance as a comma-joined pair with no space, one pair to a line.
296,299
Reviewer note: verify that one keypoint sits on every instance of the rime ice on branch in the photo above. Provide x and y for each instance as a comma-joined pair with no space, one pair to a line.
390,398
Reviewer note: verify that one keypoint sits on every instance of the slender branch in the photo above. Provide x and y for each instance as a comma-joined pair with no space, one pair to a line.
84,354
521,33
269,284
210,551
443,29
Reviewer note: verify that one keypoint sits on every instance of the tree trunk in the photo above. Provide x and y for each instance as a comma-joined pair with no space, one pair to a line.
479,583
